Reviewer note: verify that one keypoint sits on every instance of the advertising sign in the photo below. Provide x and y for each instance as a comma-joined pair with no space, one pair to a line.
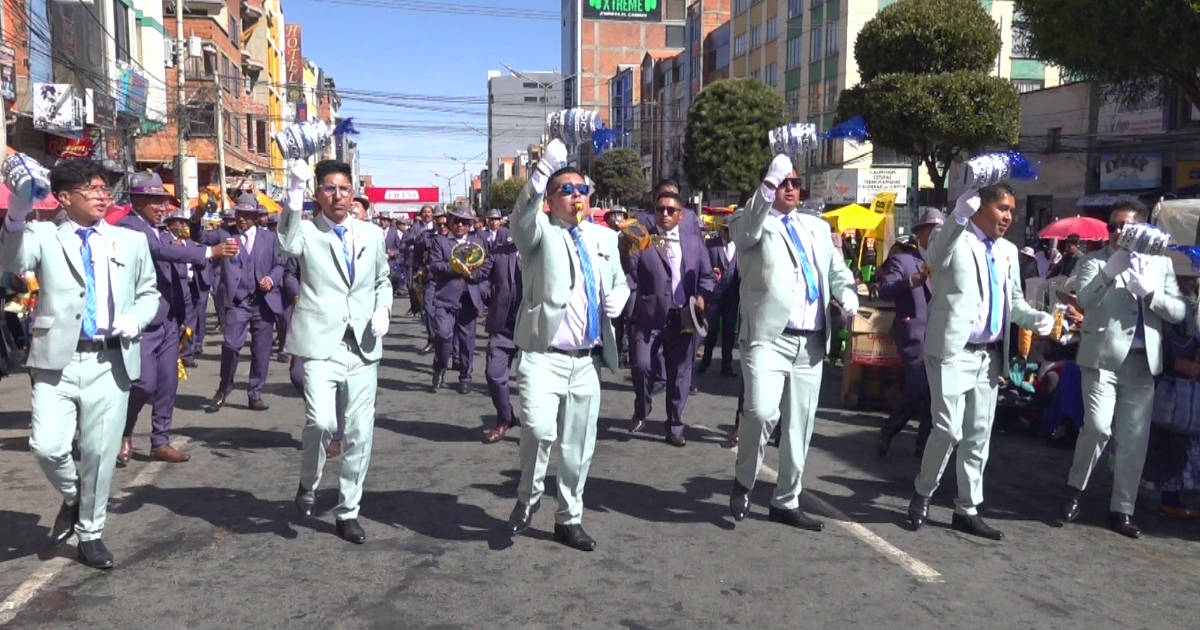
294,60
8,73
402,195
69,148
1130,171
843,186
1187,178
1121,119
639,10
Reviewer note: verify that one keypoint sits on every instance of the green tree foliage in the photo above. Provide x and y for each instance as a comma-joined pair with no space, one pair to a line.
618,176
725,144
503,194
1132,46
927,37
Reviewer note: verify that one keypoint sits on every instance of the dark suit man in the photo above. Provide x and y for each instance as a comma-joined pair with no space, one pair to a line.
664,279
613,217
722,253
504,299
392,239
904,280
457,300
408,246
159,381
252,300
421,244
495,233
200,282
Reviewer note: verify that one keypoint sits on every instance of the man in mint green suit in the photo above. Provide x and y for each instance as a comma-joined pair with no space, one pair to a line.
97,292
976,286
337,329
1126,300
573,288
789,272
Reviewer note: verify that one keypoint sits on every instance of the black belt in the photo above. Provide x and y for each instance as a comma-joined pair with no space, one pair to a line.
796,332
991,345
98,345
577,354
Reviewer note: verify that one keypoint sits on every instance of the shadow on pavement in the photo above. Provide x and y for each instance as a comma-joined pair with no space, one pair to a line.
239,438
435,431
23,536
235,511
436,515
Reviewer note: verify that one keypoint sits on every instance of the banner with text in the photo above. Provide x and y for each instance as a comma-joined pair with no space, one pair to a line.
294,60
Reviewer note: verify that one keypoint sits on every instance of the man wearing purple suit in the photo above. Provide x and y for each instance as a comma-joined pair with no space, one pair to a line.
457,300
200,283
724,316
159,381
251,282
504,287
904,280
392,239
664,278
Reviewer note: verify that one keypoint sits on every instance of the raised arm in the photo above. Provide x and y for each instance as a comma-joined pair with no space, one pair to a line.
528,222
291,237
746,225
945,237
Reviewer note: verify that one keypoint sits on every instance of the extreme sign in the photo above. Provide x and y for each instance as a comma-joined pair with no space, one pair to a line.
641,10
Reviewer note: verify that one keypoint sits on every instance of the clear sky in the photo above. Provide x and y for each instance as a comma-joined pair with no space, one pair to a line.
395,52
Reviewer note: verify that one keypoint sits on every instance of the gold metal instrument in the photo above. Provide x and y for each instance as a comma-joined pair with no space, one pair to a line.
580,212
465,258
638,236
185,336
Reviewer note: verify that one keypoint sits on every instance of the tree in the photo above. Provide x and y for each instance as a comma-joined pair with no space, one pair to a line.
503,194
618,176
927,88
725,144
1130,46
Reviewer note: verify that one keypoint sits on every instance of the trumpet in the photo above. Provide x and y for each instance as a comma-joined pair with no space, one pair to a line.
185,336
465,258
580,212
638,236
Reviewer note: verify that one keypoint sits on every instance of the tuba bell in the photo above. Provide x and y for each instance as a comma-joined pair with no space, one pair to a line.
637,235
467,257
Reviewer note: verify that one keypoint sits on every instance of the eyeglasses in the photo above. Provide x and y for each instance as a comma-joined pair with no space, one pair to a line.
334,191
441,222
567,190
463,222
1115,226
793,182
666,209
94,191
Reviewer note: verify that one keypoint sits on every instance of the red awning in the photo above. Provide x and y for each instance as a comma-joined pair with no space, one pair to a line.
49,203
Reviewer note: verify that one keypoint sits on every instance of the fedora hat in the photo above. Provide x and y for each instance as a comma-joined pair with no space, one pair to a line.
247,202
932,217
147,183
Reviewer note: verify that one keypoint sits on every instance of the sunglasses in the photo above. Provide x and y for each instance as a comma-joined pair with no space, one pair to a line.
1115,226
666,209
463,222
566,190
793,182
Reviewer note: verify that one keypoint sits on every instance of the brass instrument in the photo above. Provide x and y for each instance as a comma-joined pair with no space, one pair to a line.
467,257
185,336
420,284
637,235
580,212
181,231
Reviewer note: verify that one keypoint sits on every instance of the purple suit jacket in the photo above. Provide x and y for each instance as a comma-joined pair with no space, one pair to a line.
649,279
504,285
170,265
264,261
728,286
391,243
912,305
448,286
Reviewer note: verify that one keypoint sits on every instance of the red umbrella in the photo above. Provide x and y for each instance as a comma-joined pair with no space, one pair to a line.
1087,228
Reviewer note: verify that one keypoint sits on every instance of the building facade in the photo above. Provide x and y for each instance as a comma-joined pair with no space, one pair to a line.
518,104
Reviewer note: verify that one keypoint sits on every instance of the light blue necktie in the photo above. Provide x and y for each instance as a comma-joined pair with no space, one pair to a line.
589,284
996,311
812,289
89,283
340,230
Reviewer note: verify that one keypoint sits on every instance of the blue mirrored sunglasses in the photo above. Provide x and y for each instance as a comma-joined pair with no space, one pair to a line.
567,190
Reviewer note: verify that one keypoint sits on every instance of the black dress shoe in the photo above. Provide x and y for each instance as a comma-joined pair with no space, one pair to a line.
739,501
438,377
794,518
882,444
306,501
64,524
351,531
636,424
464,387
678,441
574,537
702,367
973,524
658,388
218,401
427,349
1123,525
258,405
693,390
1070,507
918,511
189,363
94,554
522,515
727,372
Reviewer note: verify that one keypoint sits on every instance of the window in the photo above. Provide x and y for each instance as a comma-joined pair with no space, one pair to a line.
832,39
121,30
815,98
1020,37
250,138
1054,139
831,94
795,8
795,48
675,37
792,100
755,37
755,75
531,99
817,3
530,85
740,7
772,29
260,137
741,45
770,74
816,49
233,29
1028,85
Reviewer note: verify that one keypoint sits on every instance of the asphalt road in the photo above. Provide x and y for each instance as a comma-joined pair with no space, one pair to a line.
214,543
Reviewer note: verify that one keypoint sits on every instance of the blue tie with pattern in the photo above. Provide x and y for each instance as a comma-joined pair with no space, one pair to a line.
995,310
89,283
589,285
812,290
340,230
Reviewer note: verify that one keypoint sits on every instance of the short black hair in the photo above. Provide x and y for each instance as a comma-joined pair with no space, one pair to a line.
993,193
366,203
73,173
562,172
663,183
325,168
1131,205
669,195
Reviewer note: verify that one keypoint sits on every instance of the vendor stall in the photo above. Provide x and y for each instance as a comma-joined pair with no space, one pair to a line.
872,373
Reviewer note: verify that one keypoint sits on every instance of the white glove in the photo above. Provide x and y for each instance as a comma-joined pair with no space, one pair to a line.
849,303
553,158
1043,324
125,326
299,173
1138,284
380,321
612,309
1116,264
780,169
967,204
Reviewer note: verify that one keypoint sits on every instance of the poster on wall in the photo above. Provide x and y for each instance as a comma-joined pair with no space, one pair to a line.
1130,171
639,10
1187,178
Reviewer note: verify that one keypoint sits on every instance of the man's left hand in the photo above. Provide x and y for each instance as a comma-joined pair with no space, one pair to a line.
266,284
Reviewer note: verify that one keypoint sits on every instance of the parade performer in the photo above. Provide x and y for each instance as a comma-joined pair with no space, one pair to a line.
722,252
790,273
392,239
458,300
504,288
496,233
86,351
573,287
337,329
1126,299
976,296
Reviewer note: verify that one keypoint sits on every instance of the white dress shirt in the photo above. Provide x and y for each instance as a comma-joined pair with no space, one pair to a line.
572,331
247,239
100,267
730,250
805,315
979,332
674,258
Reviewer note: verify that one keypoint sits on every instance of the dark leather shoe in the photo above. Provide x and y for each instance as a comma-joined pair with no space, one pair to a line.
218,401
693,390
169,454
658,388
351,531
727,371
427,349
306,501
189,363
64,524
1070,507
495,434
464,387
794,518
739,501
1123,525
94,554
574,537
677,441
702,367
522,515
918,511
258,405
636,424
126,451
438,376
882,444
974,525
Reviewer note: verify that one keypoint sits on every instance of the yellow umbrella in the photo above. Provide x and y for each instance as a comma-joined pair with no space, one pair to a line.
853,217
269,204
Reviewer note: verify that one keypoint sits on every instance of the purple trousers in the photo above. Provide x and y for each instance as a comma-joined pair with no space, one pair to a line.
296,373
455,337
500,354
678,351
255,317
913,402
159,383
197,320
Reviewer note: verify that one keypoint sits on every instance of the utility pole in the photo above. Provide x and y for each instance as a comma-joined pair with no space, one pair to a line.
181,118
219,106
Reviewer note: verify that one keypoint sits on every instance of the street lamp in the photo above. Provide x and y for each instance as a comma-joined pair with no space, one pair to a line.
449,190
466,182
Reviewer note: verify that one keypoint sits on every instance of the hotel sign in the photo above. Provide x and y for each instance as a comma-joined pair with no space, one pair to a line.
294,61
639,10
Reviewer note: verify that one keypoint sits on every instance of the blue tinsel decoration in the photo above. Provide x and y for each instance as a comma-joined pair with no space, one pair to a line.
604,139
1191,251
854,129
1021,167
345,126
